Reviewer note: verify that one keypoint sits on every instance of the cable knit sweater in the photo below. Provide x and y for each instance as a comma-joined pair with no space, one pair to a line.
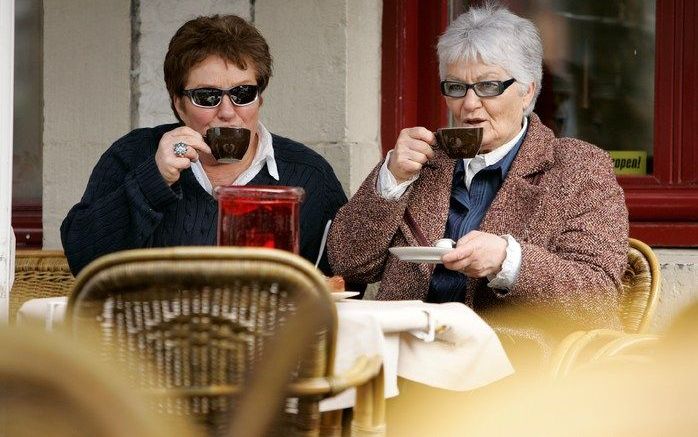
561,202
128,205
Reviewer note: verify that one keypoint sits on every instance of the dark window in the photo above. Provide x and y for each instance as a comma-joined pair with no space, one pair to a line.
27,130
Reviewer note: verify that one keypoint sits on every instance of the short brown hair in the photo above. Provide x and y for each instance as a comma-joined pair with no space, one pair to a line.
228,36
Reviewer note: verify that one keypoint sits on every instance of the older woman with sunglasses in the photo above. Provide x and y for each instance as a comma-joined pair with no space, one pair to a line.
540,222
153,187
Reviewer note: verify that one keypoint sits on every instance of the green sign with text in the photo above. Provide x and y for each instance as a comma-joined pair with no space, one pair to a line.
629,162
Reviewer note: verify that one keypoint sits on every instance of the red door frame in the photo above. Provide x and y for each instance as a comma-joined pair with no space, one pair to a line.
410,71
26,224
663,206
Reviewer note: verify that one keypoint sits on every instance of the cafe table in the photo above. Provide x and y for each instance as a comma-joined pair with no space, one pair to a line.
445,346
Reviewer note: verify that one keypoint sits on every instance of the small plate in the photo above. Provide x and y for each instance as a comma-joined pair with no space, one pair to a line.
339,295
416,254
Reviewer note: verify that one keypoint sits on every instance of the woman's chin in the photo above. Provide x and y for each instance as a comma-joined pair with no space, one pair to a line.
486,145
209,160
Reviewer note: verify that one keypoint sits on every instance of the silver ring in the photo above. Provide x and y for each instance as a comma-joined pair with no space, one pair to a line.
180,149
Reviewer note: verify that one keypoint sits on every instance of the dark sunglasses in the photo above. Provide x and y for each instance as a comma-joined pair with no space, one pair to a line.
241,95
487,88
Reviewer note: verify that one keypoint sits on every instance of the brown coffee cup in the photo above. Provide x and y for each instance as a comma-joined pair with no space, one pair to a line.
228,144
459,142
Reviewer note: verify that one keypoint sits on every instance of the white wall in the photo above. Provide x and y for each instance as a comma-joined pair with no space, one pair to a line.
156,22
326,86
87,58
679,287
6,90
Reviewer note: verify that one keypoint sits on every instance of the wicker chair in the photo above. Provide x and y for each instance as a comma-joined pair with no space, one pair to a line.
638,301
641,281
203,319
39,273
585,349
52,386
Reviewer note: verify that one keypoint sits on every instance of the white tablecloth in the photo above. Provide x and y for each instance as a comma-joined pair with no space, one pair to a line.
463,354
48,312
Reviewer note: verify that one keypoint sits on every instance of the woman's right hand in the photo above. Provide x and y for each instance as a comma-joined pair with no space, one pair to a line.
412,150
171,165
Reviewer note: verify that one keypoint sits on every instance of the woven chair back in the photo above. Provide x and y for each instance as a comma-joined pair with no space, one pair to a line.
200,319
50,385
640,293
39,273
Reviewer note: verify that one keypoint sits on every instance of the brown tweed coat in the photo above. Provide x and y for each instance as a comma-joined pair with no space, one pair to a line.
561,202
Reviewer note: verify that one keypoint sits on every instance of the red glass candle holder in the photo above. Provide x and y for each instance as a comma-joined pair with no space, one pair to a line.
259,216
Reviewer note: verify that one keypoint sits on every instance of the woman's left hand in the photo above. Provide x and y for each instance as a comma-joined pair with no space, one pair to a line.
477,254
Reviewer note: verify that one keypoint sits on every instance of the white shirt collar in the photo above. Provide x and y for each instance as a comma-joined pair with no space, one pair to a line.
264,155
474,165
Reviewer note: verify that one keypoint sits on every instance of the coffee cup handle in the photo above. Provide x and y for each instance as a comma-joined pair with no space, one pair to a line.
439,140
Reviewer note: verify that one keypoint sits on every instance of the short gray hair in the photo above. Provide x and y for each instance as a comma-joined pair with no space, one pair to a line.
496,36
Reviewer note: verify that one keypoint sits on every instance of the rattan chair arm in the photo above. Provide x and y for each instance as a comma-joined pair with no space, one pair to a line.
570,348
212,390
625,343
364,369
559,358
656,275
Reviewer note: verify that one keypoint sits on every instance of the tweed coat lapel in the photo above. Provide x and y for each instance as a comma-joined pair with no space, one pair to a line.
514,207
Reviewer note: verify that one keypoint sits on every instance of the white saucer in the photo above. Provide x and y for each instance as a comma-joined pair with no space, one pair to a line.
416,254
339,295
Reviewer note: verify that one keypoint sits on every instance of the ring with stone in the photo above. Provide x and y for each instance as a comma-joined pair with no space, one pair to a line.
180,149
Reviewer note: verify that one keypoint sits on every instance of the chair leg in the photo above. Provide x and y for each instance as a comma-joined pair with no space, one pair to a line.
369,410
331,424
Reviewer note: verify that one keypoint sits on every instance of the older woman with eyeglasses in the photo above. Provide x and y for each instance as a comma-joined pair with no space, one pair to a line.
153,187
540,222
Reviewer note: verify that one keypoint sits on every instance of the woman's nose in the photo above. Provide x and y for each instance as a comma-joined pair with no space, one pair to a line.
226,109
471,100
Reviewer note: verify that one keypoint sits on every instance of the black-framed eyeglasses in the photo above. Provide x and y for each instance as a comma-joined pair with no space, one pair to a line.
241,95
486,88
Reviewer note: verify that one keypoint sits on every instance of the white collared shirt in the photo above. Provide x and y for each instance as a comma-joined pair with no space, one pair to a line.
389,189
263,155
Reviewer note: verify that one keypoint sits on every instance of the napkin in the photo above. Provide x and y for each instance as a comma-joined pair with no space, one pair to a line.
465,353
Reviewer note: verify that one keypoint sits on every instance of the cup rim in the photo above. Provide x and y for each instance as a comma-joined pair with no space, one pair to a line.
458,128
276,192
441,144
236,128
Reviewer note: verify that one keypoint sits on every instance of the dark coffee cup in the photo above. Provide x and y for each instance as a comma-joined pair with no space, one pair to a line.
459,142
228,144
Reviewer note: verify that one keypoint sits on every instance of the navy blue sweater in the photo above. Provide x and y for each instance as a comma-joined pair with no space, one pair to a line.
128,205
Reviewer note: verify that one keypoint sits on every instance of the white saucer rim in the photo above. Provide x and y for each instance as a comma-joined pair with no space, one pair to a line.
416,254
339,295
